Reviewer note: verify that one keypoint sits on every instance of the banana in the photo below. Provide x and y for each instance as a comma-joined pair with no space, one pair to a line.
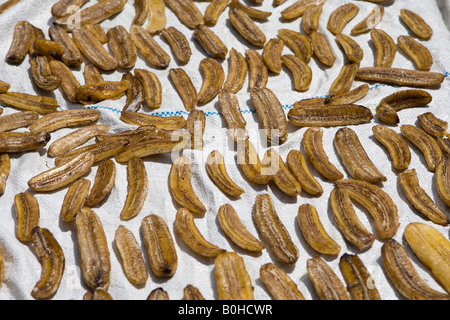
301,72
65,119
43,75
237,72
326,283
179,44
359,282
4,87
142,11
98,92
195,125
137,189
313,231
18,142
158,294
340,17
180,186
92,74
135,94
296,163
385,48
344,80
298,8
186,11
404,276
432,124
69,83
98,294
151,87
160,247
98,32
23,101
210,42
370,22
273,231
273,49
47,48
298,43
311,17
103,183
122,47
416,52
7,5
246,27
232,279
213,80
63,175
192,237
157,16
250,164
351,48
149,48
278,283
354,157
393,142
442,181
27,211
74,199
231,111
259,73
72,56
217,172
233,227
420,200
416,24
349,97
142,119
5,169
17,120
192,293
51,257
185,88
322,49
444,144
252,12
21,42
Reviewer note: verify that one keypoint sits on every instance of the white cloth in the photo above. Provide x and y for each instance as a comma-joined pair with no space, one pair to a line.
22,266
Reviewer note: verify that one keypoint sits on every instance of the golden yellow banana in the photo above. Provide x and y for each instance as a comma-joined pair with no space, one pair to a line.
296,162
416,24
442,181
178,42
213,80
137,189
278,283
250,164
398,149
210,42
298,43
74,199
385,48
23,101
27,211
157,16
237,72
217,172
65,119
300,71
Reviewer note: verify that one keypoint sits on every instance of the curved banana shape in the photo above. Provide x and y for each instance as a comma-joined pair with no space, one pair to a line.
237,72
137,189
385,48
272,52
250,164
259,73
351,48
279,284
181,188
192,237
301,72
299,43
396,146
179,44
340,17
297,165
216,169
443,181
281,175
213,80
433,125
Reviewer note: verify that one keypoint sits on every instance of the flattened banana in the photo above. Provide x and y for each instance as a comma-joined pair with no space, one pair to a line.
43,75
273,231
232,279
180,186
351,48
416,24
354,157
157,16
444,144
158,294
259,73
231,111
185,88
21,42
27,102
348,97
135,94
442,181
370,22
18,142
74,199
192,293
137,189
69,83
432,124
419,198
298,43
104,181
149,48
47,48
27,211
151,86
5,169
250,164
322,49
298,8
142,11
279,284
210,42
385,48
195,124
297,165
98,32
63,8
65,119
186,11
344,80
179,44
393,142
313,231
213,80
122,47
17,120
217,172
340,17
160,246
72,56
246,27
106,90
142,119
214,10
417,52
192,237
4,87
252,12
273,49
301,72
310,19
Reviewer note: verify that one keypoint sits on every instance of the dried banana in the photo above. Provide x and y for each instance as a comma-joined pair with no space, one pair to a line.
417,52
231,111
186,11
157,16
195,124
432,124
69,83
93,250
72,56
180,186
359,282
158,294
213,80
7,5
273,49
142,11
297,42
179,44
98,32
301,72
185,88
252,12
192,237
18,142
27,102
370,22
151,86
135,94
322,49
74,199
425,143
122,47
444,144
273,231
149,48
232,279
99,294
313,145
246,27
259,73
65,119
297,165
340,17
192,293
351,48
250,164
355,158
160,247
214,10
103,183
137,189
21,42
63,175
326,283
52,260
17,120
398,149
298,8
106,90
217,172
47,48
442,181
385,48
313,231
416,24
344,80
404,276
43,75
142,119
419,198
5,169
279,284
27,211
4,87
210,42
310,19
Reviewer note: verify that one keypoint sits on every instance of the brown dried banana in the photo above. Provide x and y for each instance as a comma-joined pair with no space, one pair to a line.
320,115
179,44
370,22
180,186
232,279
192,293
420,200
185,88
135,94
103,183
93,250
231,111
5,6
92,74
404,276
137,189
278,283
160,247
253,13
348,97
344,80
233,227
51,258
63,175
74,199
385,48
192,237
72,56
273,231
142,119
157,16
65,119
416,24
444,144
99,294
298,43
21,42
47,48
250,164
314,150
442,181
417,52
425,143
246,27
322,49
27,215
359,282
106,90
313,231
326,283
398,149
98,32
195,125
351,48
43,75
259,73
297,165
340,17
273,49
301,72
311,17
354,157
271,115
298,8
18,142
4,87
27,102
17,120
149,48
210,42
213,80
432,124
63,8
158,294
217,172
186,11
214,10
69,83
151,87
142,11
5,169
122,47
